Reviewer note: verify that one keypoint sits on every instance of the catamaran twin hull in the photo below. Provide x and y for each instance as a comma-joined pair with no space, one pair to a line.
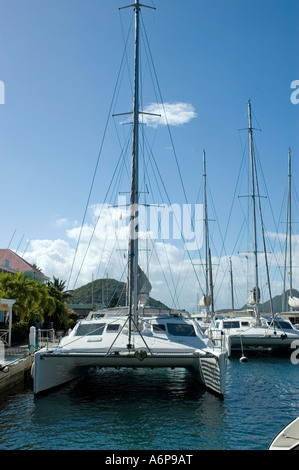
271,342
52,368
164,340
255,343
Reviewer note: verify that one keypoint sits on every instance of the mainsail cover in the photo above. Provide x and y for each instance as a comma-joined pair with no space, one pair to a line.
143,288
253,299
294,302
143,284
205,301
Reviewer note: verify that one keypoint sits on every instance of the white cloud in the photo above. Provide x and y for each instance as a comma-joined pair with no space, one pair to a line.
171,272
103,249
60,222
173,114
52,256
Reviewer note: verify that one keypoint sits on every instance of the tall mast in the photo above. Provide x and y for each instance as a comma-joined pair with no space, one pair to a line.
232,284
252,164
208,267
211,285
288,237
133,229
206,233
132,295
290,225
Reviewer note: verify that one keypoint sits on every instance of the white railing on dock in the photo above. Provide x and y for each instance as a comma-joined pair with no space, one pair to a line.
45,336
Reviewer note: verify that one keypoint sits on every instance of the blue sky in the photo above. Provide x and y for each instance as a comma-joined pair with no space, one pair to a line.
59,61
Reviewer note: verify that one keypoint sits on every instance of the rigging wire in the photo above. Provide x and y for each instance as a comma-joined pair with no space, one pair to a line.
151,159
97,161
172,143
115,93
98,218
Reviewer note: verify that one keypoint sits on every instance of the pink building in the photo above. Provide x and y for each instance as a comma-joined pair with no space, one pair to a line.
10,262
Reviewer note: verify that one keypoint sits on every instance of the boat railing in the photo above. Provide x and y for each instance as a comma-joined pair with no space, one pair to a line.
4,335
218,338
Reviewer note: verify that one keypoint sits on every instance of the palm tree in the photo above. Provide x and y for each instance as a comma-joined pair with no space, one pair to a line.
32,297
61,317
58,285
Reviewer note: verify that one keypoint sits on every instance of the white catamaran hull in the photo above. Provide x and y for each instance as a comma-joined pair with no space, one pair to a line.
52,368
170,342
258,341
246,336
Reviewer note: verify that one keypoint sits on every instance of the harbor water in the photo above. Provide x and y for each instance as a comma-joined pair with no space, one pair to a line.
155,410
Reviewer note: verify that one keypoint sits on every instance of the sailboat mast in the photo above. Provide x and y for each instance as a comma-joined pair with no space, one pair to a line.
133,230
290,224
252,164
288,239
206,233
232,284
211,284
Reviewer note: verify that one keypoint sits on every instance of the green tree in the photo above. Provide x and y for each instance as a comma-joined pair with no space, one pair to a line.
59,286
33,298
62,317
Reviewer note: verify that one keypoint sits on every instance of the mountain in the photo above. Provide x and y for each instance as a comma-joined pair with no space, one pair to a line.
265,307
104,292
277,302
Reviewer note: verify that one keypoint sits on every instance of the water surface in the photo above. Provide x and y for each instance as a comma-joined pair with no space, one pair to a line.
155,410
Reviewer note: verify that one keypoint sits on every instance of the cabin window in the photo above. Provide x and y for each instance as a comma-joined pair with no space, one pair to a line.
90,329
231,324
180,329
245,323
112,327
159,327
284,325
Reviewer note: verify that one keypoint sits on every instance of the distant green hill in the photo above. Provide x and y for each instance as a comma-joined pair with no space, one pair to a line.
104,292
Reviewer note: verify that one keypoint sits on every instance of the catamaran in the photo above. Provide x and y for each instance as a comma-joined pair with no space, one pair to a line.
134,336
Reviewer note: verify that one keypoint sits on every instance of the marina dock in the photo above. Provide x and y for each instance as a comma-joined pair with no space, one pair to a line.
15,366
16,363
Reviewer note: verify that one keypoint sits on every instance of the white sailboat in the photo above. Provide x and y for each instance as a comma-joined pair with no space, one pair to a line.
134,336
293,301
254,332
241,333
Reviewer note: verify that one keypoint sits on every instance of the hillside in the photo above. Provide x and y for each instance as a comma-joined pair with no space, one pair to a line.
277,302
103,292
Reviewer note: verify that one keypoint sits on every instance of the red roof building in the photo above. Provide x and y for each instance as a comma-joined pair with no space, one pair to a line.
10,262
